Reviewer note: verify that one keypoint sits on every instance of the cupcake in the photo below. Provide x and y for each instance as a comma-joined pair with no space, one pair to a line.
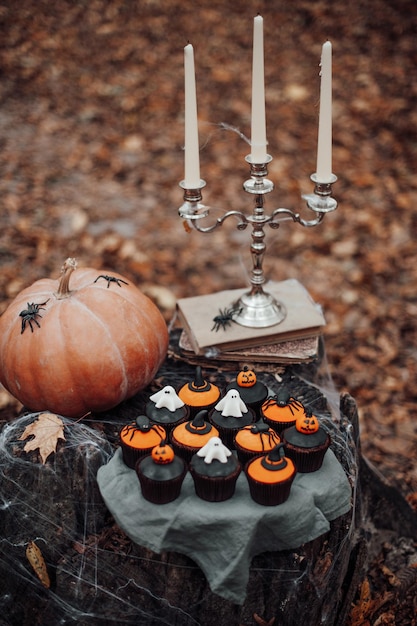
199,394
270,477
187,438
255,440
281,411
306,443
166,408
252,391
138,439
215,471
230,415
161,474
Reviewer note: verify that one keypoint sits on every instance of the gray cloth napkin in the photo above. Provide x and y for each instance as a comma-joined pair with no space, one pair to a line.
222,537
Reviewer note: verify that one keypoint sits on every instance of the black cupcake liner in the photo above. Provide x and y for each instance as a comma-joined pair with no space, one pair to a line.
132,455
306,460
279,427
160,491
269,494
215,489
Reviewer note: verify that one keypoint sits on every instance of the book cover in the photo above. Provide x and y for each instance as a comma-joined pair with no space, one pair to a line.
196,314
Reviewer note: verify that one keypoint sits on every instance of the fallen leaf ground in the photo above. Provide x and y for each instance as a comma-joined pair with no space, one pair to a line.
91,132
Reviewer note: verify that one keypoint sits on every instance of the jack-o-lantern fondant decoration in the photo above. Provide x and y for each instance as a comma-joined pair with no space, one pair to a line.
252,391
163,453
161,474
306,443
246,377
307,423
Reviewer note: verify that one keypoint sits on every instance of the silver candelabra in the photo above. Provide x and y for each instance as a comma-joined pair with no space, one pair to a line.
257,308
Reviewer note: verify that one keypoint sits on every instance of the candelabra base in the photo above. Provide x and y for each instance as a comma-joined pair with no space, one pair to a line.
258,310
210,320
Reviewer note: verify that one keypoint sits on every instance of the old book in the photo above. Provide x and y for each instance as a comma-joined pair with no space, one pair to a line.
287,352
304,318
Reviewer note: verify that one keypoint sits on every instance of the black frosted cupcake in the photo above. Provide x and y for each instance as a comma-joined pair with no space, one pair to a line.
199,394
161,474
230,415
215,471
270,477
252,391
187,438
255,440
166,408
281,411
306,443
138,438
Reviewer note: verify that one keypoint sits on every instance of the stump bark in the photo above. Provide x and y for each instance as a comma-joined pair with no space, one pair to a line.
98,576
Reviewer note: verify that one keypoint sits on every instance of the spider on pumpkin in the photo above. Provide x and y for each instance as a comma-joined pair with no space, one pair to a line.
111,279
30,314
224,318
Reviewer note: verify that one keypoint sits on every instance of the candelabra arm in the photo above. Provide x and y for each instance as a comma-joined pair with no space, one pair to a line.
296,217
242,222
320,201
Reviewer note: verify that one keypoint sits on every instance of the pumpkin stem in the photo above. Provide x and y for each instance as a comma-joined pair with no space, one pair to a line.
67,269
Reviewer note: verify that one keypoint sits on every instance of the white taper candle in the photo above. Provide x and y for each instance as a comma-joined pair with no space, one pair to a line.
258,126
191,156
324,147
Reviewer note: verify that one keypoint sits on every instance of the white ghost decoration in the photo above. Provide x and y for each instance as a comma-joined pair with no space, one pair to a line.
232,404
214,449
167,398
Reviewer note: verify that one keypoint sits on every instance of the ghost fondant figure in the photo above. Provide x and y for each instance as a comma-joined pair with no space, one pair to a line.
214,449
232,404
167,398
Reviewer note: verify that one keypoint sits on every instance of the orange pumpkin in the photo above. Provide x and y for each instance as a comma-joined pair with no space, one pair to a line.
307,423
246,378
163,453
80,348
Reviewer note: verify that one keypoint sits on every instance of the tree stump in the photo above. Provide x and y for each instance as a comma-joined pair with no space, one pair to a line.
99,576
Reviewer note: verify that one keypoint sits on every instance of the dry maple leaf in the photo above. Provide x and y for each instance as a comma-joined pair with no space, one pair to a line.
47,429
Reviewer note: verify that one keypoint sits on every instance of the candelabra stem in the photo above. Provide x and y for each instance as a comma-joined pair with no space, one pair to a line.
256,308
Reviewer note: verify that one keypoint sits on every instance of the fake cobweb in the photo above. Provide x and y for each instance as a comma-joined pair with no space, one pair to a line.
99,576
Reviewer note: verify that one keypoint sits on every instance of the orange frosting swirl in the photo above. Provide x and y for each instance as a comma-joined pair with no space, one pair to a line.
132,436
287,413
257,441
187,438
258,472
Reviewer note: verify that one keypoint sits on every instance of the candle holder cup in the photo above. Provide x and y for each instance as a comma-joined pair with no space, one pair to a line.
257,308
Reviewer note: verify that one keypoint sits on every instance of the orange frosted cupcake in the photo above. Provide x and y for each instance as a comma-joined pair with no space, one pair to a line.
138,439
306,443
281,411
199,394
255,440
270,477
161,474
189,437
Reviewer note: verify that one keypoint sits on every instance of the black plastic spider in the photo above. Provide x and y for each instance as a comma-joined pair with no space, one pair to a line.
284,399
111,279
30,314
261,428
224,318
